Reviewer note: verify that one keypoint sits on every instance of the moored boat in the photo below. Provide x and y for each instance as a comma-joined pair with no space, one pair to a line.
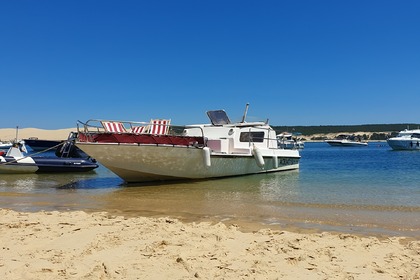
287,140
405,140
15,161
155,151
5,145
347,140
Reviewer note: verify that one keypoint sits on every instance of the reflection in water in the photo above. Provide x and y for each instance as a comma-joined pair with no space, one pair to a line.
35,192
267,199
282,187
92,183
222,199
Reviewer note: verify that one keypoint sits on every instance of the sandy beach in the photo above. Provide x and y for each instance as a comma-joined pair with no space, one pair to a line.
77,245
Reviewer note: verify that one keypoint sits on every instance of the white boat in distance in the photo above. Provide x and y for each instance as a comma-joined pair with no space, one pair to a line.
156,151
405,140
346,140
5,145
287,140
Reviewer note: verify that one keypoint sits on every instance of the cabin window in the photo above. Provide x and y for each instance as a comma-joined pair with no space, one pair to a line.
252,136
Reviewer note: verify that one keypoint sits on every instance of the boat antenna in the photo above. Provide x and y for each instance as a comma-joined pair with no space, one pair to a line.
246,111
17,132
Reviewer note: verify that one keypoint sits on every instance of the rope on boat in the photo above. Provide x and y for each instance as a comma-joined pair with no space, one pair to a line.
40,152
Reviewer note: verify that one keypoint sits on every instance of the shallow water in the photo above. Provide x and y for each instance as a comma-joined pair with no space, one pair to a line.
353,189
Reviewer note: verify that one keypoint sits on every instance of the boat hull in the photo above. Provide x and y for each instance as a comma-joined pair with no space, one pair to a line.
401,144
146,163
9,165
346,143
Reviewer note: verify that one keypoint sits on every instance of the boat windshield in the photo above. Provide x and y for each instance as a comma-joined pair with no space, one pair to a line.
218,117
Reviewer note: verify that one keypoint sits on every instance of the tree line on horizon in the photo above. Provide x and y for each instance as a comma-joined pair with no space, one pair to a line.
379,131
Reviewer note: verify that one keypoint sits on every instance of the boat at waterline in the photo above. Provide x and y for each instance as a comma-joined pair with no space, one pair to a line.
157,151
16,162
405,140
287,140
346,140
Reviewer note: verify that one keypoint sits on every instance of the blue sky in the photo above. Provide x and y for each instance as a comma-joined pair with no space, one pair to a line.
296,62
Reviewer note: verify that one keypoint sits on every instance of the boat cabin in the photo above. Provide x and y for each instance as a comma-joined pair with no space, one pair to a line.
223,136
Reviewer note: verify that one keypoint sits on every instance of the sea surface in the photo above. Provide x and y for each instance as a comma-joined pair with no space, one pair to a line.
360,190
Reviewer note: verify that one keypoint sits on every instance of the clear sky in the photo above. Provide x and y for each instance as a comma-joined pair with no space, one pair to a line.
300,62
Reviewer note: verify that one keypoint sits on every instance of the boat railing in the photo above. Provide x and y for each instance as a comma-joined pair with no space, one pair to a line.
94,127
97,125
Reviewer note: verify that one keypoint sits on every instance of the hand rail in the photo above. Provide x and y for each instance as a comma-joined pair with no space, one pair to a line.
93,127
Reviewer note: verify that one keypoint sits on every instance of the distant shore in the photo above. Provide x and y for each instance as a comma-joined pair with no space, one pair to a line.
8,134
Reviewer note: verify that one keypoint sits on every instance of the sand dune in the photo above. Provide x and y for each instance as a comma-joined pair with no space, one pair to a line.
7,134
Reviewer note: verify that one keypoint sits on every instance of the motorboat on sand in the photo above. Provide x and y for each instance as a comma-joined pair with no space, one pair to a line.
156,150
405,140
347,140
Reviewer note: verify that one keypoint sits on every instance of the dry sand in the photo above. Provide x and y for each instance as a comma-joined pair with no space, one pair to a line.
77,245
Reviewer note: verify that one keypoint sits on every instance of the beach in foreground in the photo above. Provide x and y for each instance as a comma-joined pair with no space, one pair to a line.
77,245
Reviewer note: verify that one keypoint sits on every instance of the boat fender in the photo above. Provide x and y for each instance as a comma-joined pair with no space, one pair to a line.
258,157
276,162
206,156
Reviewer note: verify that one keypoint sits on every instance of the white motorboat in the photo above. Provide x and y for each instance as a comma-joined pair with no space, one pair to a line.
405,140
155,151
287,140
5,145
347,140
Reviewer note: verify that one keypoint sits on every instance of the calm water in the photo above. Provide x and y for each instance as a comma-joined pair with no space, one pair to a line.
353,189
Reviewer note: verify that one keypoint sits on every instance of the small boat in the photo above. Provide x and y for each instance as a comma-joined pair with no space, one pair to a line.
287,140
347,140
16,162
5,145
405,140
158,151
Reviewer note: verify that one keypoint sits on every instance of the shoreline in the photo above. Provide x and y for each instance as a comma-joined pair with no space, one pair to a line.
47,245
